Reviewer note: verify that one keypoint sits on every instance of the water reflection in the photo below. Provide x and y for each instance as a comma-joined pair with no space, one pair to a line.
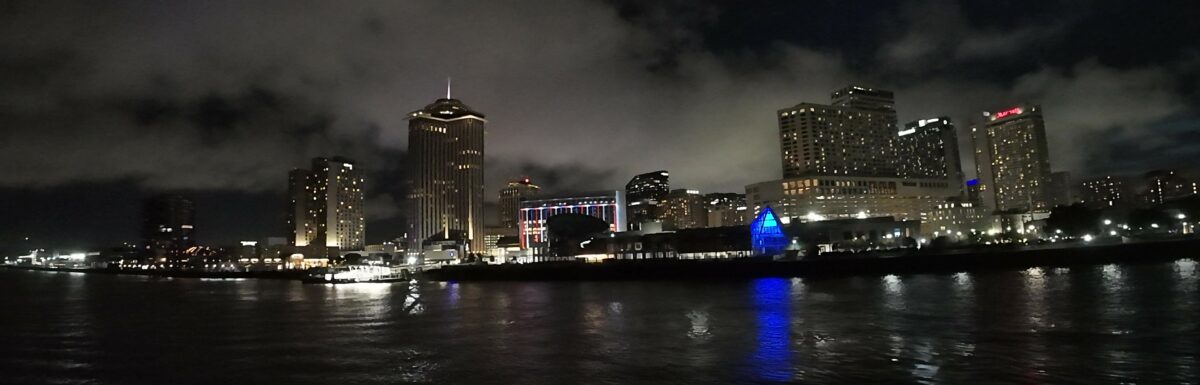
770,298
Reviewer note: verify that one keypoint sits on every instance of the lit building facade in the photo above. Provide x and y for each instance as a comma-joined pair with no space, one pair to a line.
510,200
959,219
445,186
831,197
1106,191
1012,160
928,149
168,224
684,209
855,135
726,209
645,192
1166,185
326,205
608,206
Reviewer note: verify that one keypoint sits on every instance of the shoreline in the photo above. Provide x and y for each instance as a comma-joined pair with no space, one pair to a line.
949,261
281,275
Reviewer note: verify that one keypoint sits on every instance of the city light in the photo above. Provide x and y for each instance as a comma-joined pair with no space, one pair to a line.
1107,222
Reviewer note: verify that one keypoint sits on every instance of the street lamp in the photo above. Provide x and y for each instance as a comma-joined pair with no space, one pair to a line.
1107,222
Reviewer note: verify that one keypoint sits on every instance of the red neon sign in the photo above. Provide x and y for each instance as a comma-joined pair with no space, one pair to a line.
1011,111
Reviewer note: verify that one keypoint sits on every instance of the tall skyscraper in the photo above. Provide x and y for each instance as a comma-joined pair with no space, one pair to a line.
928,148
326,205
1012,159
854,137
510,200
445,149
168,224
645,193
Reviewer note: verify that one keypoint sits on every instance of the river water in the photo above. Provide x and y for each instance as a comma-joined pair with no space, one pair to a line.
1102,324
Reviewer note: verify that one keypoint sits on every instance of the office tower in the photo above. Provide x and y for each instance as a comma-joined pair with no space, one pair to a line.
928,148
168,224
1106,191
1012,159
445,186
645,192
725,209
855,136
684,209
326,205
1165,185
510,200
609,206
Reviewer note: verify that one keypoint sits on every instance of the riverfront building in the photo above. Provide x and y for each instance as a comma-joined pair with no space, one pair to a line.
326,205
684,209
608,206
928,149
820,198
510,200
1106,191
855,135
1012,160
168,224
445,184
645,194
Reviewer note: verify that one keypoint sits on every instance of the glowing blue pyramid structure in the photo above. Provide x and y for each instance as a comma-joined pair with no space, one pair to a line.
766,234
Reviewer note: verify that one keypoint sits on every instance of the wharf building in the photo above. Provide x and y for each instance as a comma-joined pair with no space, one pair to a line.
819,198
1012,160
646,193
608,206
326,205
510,200
168,225
684,209
445,184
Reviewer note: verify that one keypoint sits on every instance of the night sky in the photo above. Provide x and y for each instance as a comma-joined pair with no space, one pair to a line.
105,102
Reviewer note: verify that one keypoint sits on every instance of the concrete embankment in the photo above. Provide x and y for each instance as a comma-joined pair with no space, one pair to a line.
945,262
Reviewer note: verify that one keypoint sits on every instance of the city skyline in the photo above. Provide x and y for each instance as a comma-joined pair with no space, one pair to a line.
229,141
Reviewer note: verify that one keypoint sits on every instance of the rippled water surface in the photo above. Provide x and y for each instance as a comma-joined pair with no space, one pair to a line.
1103,324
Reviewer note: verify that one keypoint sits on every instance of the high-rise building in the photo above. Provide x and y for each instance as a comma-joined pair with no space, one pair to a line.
445,149
510,200
855,136
928,149
326,205
168,224
608,206
1165,185
726,209
645,193
1061,191
301,225
1012,159
684,209
1106,191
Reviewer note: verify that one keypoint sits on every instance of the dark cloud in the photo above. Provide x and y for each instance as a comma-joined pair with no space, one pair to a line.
227,96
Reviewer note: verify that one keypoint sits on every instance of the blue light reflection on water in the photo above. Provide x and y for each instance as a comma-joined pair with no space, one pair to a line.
771,356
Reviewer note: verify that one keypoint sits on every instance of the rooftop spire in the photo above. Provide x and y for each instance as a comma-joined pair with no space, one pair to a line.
447,87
